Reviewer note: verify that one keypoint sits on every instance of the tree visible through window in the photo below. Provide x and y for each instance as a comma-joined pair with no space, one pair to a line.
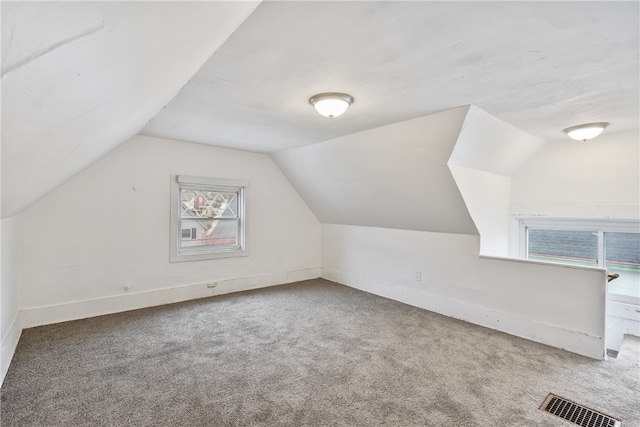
209,218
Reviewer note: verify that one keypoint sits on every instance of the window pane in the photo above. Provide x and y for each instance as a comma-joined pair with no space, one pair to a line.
565,246
207,233
196,203
622,256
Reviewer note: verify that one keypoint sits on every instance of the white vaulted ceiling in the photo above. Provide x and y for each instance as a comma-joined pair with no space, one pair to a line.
540,66
79,78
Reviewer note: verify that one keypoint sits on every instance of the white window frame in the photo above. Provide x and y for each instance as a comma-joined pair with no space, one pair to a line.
600,226
208,252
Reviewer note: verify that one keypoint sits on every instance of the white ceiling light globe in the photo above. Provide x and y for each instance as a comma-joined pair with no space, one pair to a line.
331,104
586,131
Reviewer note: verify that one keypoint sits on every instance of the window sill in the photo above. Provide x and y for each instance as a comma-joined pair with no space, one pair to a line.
208,256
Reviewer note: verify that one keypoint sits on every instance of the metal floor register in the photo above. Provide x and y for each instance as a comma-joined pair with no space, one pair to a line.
577,414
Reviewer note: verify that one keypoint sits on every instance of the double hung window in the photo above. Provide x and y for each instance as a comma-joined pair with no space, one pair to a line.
208,218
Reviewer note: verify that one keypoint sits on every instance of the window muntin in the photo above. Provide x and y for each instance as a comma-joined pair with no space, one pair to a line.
208,218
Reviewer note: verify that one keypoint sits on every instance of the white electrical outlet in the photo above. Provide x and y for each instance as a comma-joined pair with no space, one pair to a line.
212,284
418,276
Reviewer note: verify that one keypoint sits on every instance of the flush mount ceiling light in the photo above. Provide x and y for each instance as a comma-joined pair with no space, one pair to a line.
331,104
586,131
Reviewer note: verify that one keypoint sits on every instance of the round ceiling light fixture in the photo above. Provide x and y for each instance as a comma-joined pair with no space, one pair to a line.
586,131
331,104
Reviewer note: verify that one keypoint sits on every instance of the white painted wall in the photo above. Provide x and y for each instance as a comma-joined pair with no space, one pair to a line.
9,322
557,305
10,327
571,179
487,197
597,179
109,227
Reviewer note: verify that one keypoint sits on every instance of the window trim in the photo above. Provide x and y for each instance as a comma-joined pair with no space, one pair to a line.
175,230
600,225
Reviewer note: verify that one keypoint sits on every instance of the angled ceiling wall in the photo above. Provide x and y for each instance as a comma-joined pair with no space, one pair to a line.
487,154
79,78
395,176
489,144
447,172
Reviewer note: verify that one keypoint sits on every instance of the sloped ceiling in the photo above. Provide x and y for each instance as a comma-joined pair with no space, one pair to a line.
395,176
79,78
488,144
413,175
539,66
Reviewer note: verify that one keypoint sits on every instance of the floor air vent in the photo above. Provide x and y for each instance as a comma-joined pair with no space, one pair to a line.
577,414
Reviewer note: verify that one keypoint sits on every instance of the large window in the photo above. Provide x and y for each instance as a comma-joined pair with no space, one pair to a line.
208,218
614,245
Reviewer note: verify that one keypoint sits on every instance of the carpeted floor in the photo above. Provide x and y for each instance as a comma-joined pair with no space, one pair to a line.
312,353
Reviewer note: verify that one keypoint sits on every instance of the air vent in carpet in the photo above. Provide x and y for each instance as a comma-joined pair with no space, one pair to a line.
577,414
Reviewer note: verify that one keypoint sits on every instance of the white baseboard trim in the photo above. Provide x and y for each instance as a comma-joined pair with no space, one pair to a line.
573,341
8,346
37,316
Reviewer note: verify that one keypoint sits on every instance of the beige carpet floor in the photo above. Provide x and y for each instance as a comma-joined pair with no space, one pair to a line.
313,353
